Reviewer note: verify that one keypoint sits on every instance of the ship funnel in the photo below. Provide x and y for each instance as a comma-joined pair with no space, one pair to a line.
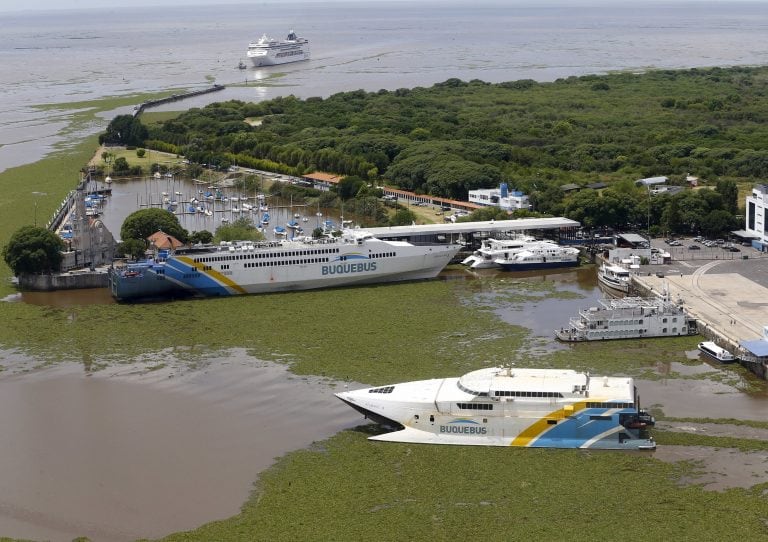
504,189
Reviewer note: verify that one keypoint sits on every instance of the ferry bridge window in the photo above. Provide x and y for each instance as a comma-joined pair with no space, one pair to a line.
475,406
552,422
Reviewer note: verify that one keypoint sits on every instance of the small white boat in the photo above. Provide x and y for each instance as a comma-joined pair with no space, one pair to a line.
614,277
716,352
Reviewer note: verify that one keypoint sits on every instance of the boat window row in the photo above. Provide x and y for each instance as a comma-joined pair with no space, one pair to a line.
473,392
600,418
383,255
664,320
475,406
385,389
266,255
674,330
610,405
289,53
191,275
616,333
274,263
510,393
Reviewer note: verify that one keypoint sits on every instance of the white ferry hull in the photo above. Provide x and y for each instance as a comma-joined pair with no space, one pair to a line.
280,267
440,411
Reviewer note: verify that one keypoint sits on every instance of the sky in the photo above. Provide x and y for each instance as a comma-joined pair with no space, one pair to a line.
41,5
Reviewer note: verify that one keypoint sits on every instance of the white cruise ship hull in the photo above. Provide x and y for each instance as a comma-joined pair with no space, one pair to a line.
269,52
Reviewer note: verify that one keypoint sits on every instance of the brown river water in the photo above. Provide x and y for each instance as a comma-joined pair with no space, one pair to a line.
124,454
118,456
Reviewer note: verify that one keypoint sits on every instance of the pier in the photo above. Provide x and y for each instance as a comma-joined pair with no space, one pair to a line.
139,109
729,300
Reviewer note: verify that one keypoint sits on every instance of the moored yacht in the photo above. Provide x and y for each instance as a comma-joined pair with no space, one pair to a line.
614,277
501,406
541,256
491,249
716,352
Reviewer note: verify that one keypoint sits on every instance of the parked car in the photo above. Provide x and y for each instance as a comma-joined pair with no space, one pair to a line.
734,249
694,247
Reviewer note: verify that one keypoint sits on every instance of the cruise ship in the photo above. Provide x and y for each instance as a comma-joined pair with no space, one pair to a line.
235,268
268,52
629,318
491,249
501,406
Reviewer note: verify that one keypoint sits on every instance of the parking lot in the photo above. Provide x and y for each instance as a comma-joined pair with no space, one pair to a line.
696,249
726,291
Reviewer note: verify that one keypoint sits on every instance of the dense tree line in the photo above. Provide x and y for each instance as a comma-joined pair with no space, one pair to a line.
456,136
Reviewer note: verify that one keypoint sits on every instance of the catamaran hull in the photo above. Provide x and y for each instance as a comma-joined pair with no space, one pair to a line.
566,410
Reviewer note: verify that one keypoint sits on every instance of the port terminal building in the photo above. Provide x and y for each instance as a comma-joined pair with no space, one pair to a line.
474,232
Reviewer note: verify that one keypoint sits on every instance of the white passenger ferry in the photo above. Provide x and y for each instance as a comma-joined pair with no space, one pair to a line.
234,268
541,256
537,408
614,277
716,352
268,52
491,249
629,318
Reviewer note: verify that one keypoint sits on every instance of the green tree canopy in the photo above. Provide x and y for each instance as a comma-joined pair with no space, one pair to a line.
202,236
403,217
143,223
132,248
33,250
124,130
241,229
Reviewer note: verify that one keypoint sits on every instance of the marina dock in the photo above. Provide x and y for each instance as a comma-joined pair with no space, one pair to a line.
729,300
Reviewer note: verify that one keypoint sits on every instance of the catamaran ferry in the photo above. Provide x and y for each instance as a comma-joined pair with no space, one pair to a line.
235,268
268,52
537,408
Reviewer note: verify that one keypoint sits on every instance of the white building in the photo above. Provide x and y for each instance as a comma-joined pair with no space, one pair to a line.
499,197
757,225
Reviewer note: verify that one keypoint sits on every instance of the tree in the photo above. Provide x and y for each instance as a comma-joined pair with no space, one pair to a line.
241,229
403,217
486,213
717,222
33,250
143,223
730,193
202,236
124,130
348,187
121,166
132,248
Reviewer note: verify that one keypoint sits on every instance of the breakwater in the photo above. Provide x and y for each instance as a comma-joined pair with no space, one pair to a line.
139,109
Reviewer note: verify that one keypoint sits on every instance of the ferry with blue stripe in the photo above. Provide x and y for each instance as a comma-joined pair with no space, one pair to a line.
502,406
236,268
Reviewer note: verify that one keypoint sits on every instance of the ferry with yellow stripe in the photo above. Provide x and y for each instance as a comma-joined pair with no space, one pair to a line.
503,406
235,268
